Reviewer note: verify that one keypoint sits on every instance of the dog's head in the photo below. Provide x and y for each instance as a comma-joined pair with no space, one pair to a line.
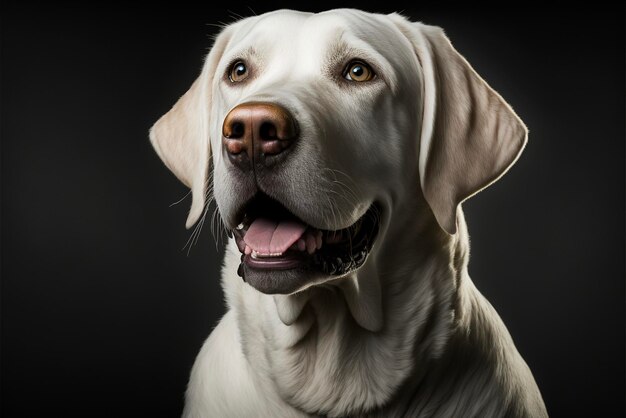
319,125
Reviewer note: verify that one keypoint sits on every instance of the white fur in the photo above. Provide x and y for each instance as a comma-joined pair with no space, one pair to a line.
407,334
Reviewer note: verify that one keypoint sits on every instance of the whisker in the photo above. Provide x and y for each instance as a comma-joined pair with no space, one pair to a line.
193,239
349,179
235,16
195,234
181,199
215,228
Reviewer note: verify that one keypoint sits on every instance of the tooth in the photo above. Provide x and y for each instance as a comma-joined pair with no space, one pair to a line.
318,239
256,255
310,244
247,250
301,245
240,226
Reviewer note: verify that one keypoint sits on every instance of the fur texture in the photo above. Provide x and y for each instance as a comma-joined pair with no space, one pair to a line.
407,334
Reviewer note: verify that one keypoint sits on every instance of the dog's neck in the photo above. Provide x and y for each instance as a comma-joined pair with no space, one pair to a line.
348,346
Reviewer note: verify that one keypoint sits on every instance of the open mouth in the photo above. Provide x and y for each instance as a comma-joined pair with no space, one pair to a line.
270,237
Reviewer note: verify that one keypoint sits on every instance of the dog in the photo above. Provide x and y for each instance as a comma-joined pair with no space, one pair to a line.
339,147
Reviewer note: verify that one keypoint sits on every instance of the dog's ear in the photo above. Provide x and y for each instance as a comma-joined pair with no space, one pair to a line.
470,136
181,136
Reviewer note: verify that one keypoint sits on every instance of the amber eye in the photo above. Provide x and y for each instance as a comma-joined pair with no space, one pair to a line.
358,71
238,72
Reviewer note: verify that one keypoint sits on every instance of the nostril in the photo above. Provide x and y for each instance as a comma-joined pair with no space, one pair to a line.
237,130
253,133
268,131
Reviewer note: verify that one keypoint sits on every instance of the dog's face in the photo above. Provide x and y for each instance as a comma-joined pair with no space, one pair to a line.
319,126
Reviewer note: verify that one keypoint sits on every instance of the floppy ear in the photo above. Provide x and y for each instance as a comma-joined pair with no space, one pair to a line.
181,136
470,136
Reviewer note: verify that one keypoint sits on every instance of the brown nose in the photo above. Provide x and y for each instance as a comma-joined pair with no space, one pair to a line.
254,132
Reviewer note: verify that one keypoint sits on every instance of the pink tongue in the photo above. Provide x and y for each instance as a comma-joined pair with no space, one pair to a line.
266,236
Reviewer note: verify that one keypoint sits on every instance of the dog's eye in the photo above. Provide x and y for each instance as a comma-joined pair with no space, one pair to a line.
358,71
238,72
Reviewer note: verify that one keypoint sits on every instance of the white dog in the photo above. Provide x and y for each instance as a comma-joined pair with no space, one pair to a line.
342,145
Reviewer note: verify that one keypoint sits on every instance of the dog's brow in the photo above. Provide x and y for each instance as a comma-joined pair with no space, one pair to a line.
246,54
337,50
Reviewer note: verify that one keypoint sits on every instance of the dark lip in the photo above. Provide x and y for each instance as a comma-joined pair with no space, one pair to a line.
288,261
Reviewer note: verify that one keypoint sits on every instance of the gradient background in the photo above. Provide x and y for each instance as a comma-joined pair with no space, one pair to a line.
102,309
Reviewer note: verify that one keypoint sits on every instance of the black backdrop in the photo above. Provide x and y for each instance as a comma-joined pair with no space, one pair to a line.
102,309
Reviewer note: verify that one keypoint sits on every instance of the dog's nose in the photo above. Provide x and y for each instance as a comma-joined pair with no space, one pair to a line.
254,131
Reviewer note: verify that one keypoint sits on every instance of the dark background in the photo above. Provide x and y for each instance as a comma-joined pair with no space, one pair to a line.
102,309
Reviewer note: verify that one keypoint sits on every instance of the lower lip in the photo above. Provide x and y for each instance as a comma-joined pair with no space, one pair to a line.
274,263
